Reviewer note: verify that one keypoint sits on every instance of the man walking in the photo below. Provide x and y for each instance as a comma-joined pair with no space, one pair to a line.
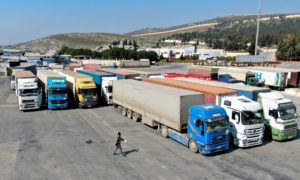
118,144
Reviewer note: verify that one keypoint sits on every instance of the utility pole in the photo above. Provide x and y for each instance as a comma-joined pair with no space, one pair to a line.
257,30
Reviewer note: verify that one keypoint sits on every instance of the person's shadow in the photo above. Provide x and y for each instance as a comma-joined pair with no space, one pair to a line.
131,151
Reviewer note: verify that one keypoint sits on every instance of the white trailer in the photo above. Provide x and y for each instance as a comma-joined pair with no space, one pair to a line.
27,90
156,104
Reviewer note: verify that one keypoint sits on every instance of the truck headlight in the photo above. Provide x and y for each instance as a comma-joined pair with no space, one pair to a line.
244,141
244,137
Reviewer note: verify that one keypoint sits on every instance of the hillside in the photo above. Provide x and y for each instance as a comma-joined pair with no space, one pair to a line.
158,33
234,25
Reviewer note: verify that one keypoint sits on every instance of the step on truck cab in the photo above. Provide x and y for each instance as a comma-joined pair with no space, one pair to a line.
245,119
280,116
54,89
176,112
104,82
82,89
28,92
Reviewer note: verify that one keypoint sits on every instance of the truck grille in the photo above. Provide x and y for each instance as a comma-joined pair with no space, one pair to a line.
28,101
89,99
253,131
217,139
290,126
58,101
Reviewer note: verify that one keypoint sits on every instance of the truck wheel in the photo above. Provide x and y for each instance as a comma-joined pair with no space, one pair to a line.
193,146
135,117
129,114
164,131
124,111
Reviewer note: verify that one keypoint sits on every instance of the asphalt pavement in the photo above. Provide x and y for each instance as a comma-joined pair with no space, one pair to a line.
79,144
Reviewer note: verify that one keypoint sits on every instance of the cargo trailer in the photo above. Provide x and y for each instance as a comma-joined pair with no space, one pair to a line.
204,71
176,112
121,73
242,90
212,94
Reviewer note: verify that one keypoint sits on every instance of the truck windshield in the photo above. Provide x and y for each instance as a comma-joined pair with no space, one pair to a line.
88,92
217,123
29,92
286,114
109,89
58,92
249,117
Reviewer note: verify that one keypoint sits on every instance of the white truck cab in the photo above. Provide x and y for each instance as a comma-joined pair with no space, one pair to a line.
107,88
280,116
245,119
29,94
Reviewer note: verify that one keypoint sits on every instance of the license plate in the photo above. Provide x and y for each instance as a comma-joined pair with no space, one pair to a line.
253,140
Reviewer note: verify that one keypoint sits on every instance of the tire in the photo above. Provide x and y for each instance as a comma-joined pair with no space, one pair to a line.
129,114
115,106
164,131
124,111
193,146
135,117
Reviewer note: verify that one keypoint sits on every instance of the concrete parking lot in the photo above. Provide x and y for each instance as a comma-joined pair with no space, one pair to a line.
49,144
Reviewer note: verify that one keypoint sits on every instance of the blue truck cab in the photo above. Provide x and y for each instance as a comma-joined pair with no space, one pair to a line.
57,94
207,131
227,78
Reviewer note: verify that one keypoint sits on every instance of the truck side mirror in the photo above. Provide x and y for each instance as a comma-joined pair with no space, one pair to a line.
273,113
235,116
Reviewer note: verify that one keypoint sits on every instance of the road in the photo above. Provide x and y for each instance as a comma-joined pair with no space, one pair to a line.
50,145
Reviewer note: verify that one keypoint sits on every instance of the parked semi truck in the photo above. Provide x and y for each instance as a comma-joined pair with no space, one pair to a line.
176,112
212,94
54,89
271,77
82,89
242,90
27,89
104,82
280,116
245,115
29,67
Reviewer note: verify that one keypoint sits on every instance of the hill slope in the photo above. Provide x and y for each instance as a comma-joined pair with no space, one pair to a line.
233,25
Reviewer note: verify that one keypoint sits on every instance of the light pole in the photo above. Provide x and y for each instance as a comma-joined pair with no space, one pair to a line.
257,30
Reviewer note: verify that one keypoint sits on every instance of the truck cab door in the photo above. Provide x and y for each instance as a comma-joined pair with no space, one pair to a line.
235,121
196,130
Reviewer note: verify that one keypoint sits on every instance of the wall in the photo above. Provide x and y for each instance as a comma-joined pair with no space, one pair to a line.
119,63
